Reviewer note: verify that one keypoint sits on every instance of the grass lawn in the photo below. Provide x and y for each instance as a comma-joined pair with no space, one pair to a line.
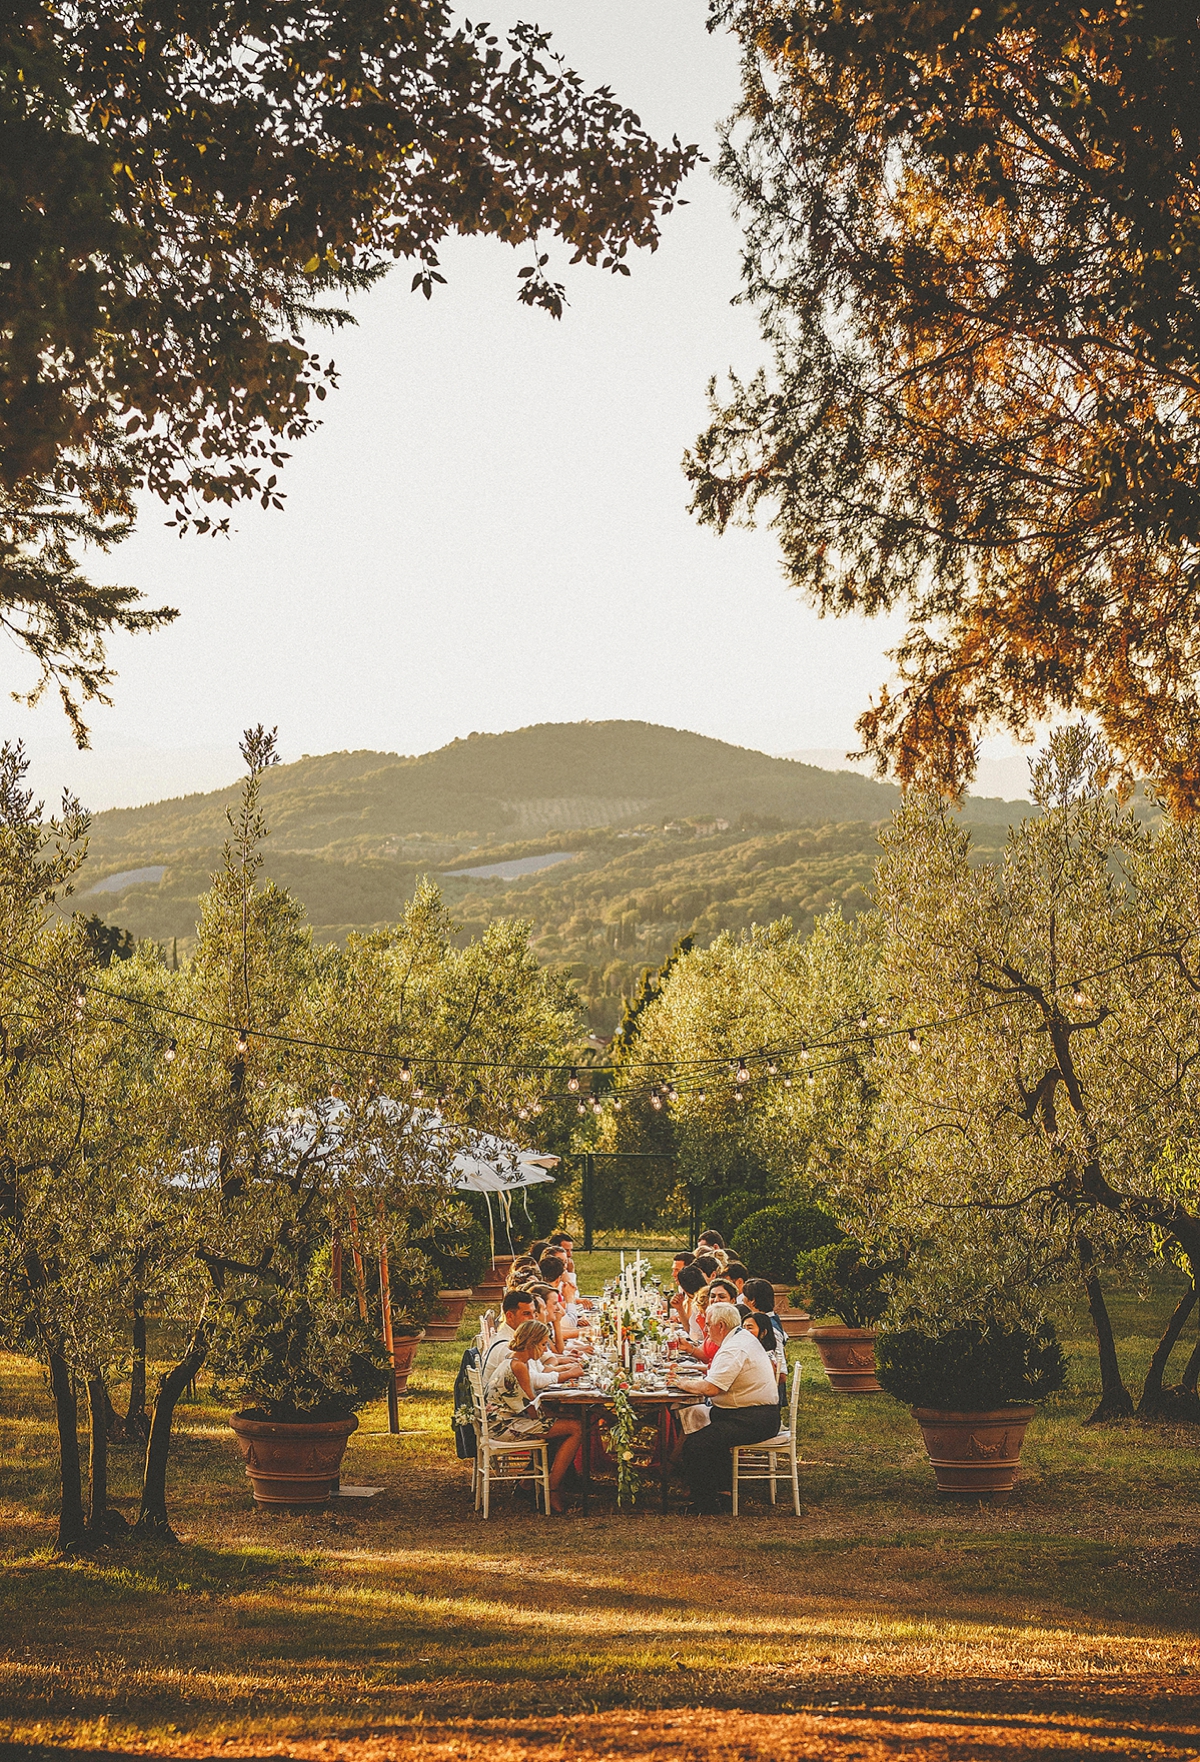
881,1623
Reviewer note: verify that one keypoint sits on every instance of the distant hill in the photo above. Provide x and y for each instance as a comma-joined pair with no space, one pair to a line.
555,776
663,832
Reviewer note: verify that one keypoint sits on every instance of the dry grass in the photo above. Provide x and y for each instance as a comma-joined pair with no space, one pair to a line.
880,1623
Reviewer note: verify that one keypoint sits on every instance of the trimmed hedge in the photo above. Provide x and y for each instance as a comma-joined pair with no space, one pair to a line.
769,1240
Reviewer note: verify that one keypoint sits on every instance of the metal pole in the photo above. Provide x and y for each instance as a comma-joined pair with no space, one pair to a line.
389,1343
589,1200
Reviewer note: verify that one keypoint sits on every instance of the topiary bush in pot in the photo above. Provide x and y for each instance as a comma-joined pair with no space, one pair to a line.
839,1279
769,1240
971,1369
972,1390
305,1363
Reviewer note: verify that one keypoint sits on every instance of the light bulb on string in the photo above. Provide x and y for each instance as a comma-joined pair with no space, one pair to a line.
656,1101
864,1021
405,1071
597,1108
80,1003
672,1095
169,1054
1078,995
702,1095
743,1071
772,1068
787,1081
914,1044
580,1109
804,1050
243,1040
809,1080
618,1104
536,1108
573,1081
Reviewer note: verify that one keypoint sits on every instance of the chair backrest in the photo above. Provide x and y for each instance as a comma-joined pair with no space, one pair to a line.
794,1402
475,1379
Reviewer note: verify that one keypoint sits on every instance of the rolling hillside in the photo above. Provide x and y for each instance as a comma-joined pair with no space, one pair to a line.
614,838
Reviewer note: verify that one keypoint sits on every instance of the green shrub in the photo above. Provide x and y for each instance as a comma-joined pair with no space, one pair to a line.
769,1240
461,1257
295,1359
837,1279
971,1369
728,1211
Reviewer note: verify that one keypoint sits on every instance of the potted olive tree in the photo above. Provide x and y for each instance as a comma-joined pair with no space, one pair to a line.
305,1363
460,1255
838,1279
973,1390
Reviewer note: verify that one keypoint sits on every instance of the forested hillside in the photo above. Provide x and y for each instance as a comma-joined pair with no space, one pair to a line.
656,833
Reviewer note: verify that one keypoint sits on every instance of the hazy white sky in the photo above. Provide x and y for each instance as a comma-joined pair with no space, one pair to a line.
491,529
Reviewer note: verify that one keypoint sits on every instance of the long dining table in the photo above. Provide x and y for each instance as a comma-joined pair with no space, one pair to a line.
588,1402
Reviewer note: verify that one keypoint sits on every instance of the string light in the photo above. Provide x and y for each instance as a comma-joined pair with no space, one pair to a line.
914,1044
405,1072
772,1068
243,1040
703,1095
169,1054
787,1081
864,1021
580,1109
743,1072
80,1003
573,1081
656,1101
809,1080
1078,995
672,1095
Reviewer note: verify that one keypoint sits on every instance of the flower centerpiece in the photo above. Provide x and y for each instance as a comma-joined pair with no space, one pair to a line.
631,1311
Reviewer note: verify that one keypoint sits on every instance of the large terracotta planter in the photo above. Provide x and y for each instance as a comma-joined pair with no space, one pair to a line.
448,1312
292,1464
974,1455
404,1351
492,1288
796,1323
848,1355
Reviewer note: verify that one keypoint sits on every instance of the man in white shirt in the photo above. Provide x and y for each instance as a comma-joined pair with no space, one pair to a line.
741,1385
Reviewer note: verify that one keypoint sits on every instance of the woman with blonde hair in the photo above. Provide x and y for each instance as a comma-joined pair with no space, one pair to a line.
512,1407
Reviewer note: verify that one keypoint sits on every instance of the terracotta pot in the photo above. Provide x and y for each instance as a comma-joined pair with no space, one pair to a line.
448,1312
292,1463
796,1322
848,1355
404,1350
492,1288
974,1455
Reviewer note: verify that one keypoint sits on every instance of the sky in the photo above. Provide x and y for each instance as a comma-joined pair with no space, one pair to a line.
491,528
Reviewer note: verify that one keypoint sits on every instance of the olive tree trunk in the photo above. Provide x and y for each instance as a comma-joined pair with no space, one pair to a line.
1115,1400
152,1517
66,1415
1157,1402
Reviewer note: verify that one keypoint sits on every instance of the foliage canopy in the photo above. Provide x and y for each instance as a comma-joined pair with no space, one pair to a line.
973,234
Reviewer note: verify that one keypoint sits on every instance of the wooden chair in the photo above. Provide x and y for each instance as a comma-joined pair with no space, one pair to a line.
489,1450
760,1462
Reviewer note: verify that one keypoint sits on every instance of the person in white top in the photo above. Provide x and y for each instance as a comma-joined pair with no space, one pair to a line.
742,1389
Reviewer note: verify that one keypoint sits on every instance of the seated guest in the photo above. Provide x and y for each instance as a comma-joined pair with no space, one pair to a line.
553,1271
737,1272
564,1248
709,1239
760,1295
724,1288
709,1265
520,1269
691,1282
743,1391
684,1257
510,1397
536,1250
518,1306
555,1317
760,1326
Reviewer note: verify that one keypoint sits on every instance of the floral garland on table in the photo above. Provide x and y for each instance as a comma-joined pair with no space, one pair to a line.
622,1433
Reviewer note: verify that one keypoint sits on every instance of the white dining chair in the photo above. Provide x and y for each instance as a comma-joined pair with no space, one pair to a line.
489,1451
760,1462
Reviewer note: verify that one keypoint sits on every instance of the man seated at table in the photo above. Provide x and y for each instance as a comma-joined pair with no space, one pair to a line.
741,1386
549,1369
553,1271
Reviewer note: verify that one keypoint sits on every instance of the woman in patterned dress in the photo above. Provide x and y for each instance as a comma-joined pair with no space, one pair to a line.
512,1410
